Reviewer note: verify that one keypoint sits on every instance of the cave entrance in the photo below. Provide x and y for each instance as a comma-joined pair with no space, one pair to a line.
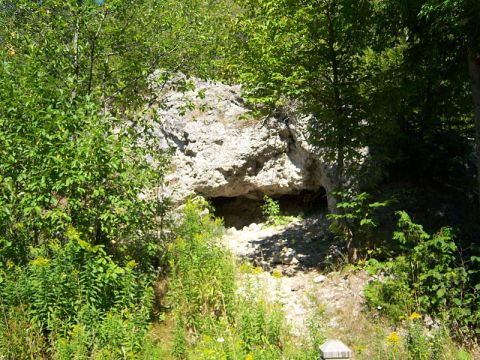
240,211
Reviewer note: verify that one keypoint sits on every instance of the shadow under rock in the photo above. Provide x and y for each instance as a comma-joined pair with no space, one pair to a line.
300,246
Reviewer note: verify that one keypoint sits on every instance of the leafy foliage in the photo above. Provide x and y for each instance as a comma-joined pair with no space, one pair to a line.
79,233
313,52
81,298
271,211
64,160
428,276
355,223
202,275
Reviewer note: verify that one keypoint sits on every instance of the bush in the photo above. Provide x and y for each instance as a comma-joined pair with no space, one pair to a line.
20,337
202,282
271,211
391,297
355,222
429,277
416,342
79,236
79,299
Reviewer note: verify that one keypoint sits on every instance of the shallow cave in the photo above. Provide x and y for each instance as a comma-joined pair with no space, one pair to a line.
240,211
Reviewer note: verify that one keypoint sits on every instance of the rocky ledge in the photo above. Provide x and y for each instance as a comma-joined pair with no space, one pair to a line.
221,150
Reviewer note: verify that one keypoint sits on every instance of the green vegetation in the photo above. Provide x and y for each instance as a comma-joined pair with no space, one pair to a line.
219,312
79,237
411,339
85,239
355,223
311,51
427,276
271,212
228,315
81,298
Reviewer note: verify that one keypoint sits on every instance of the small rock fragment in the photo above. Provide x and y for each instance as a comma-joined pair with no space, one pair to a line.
296,287
319,279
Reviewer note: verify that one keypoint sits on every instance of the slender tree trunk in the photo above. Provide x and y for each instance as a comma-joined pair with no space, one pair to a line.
337,101
92,60
474,70
338,175
93,54
76,61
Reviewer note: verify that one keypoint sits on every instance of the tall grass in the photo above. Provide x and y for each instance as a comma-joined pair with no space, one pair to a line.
217,315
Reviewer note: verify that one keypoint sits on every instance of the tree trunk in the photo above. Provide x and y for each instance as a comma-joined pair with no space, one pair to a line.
474,70
76,61
330,185
336,100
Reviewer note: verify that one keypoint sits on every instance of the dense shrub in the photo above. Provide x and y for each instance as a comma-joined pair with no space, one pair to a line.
203,279
78,298
79,234
355,223
429,276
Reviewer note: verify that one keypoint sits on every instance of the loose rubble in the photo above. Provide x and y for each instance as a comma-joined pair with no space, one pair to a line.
291,258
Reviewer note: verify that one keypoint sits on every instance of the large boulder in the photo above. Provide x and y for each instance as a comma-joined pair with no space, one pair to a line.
220,150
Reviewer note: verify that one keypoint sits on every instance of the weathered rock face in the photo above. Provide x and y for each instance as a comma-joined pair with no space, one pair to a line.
220,151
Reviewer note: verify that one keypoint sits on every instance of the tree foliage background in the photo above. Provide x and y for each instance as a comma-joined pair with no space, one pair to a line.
80,244
79,231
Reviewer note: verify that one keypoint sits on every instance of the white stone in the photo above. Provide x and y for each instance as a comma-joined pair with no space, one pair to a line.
319,279
231,231
296,287
335,349
286,256
217,153
300,311
255,227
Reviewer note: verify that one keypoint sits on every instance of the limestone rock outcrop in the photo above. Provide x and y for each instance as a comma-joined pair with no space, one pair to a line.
220,150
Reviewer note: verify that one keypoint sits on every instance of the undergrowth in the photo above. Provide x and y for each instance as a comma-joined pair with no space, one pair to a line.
77,302
220,310
219,313
272,213
430,277
74,302
414,272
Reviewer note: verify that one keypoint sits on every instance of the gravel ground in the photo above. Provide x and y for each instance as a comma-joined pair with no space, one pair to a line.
291,258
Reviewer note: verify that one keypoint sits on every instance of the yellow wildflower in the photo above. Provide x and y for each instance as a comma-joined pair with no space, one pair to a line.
245,268
393,338
414,316
131,264
11,50
277,274
40,261
249,357
10,264
257,270
207,339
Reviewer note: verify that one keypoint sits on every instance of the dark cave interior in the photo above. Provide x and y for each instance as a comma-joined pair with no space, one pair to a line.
240,211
